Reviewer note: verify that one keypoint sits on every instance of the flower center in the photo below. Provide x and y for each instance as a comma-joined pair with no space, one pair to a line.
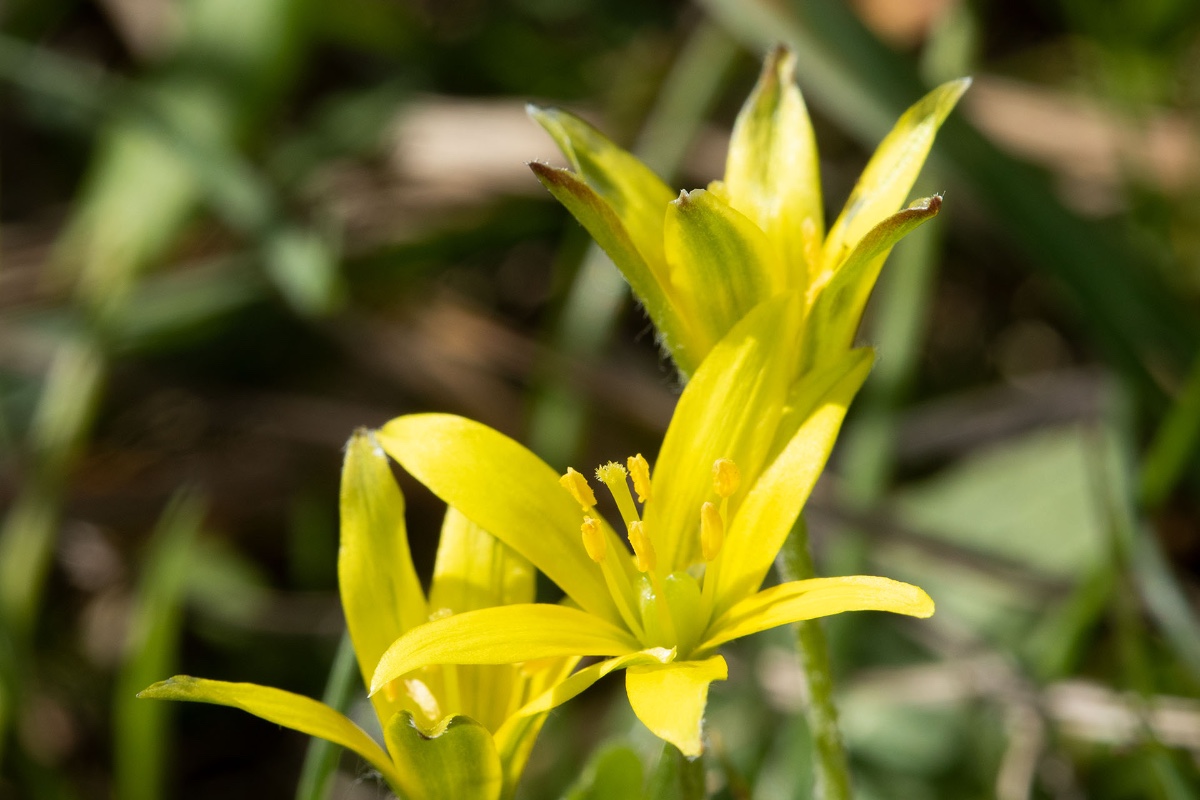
661,610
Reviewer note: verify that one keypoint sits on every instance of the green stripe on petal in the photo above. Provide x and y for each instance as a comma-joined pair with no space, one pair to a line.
818,597
504,635
728,410
771,172
509,492
456,759
670,699
839,304
765,517
381,594
648,280
282,708
721,264
891,172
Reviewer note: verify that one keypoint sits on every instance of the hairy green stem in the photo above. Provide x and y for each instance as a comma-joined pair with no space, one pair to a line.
829,756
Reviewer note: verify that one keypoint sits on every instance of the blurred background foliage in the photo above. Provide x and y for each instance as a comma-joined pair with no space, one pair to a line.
232,231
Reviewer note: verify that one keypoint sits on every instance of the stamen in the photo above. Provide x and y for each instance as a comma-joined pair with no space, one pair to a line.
593,539
577,485
614,477
726,477
712,531
643,550
639,470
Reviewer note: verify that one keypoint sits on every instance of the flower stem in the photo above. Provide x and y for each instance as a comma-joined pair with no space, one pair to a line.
829,756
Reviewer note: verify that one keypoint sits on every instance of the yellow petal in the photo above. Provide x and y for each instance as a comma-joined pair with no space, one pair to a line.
728,410
721,264
648,280
818,597
669,699
509,492
771,173
476,570
771,507
892,170
282,708
636,195
839,304
381,594
456,759
503,635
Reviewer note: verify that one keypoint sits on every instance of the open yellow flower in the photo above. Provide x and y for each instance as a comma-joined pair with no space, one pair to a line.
450,731
700,261
742,452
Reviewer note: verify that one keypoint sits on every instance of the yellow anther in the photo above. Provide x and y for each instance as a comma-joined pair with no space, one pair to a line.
712,531
643,550
577,485
726,477
639,470
593,539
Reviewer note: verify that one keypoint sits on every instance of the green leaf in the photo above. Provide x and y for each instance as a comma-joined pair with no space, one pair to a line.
613,773
458,759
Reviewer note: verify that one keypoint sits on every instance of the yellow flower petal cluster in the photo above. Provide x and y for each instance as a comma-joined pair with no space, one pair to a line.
450,731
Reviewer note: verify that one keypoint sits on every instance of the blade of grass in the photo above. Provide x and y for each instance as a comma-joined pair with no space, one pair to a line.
321,758
1173,446
140,728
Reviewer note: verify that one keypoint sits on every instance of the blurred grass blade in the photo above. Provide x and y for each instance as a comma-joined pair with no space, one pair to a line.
140,736
1173,446
321,758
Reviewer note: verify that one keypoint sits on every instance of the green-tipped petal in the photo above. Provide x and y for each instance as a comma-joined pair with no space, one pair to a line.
476,570
648,281
771,173
504,635
839,304
728,410
282,708
722,265
457,759
669,699
818,597
892,170
636,195
509,492
381,594
766,516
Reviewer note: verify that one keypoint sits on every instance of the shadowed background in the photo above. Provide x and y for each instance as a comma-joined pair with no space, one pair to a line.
232,232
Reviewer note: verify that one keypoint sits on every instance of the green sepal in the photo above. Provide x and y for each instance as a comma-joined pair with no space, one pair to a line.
839,305
647,279
721,265
457,759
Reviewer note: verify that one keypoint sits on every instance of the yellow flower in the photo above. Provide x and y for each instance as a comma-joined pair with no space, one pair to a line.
450,731
742,452
700,261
